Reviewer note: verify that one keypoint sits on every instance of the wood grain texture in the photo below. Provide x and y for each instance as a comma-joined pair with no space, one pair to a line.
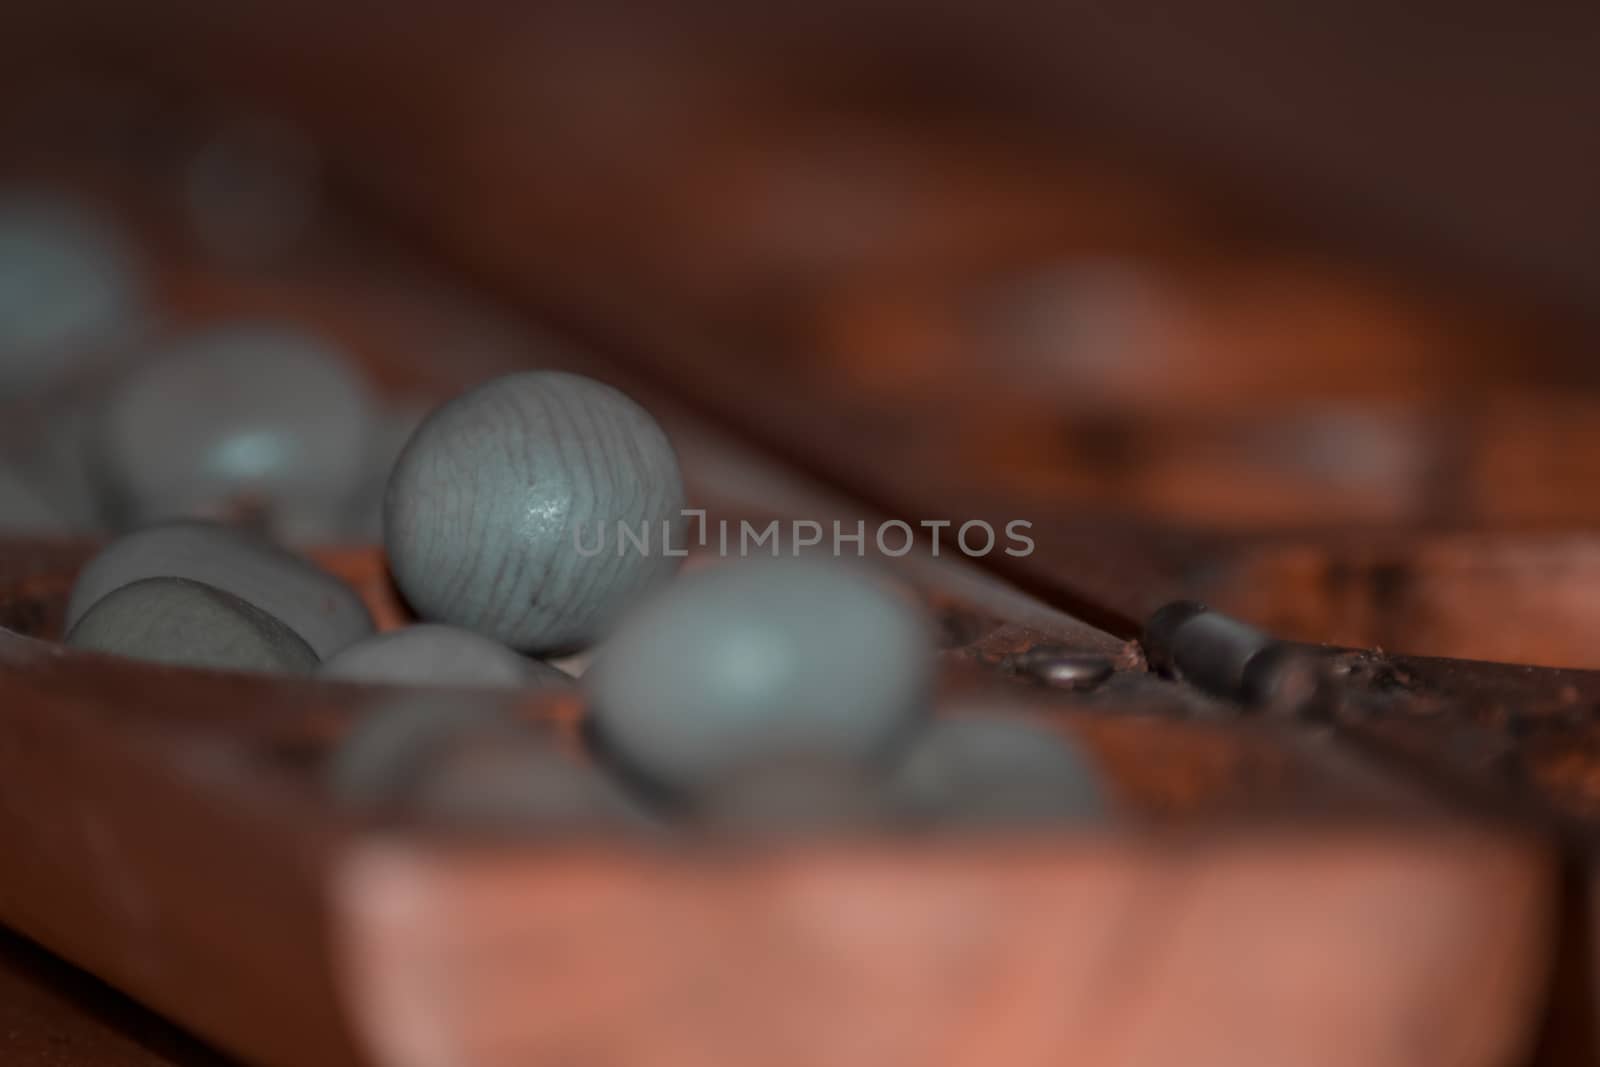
488,502
1342,949
325,612
182,623
1510,596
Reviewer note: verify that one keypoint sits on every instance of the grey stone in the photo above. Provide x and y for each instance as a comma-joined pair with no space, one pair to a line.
324,611
68,284
184,623
761,660
255,419
436,654
983,769
796,798
470,767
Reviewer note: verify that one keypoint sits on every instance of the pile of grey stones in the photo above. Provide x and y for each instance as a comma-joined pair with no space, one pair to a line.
760,694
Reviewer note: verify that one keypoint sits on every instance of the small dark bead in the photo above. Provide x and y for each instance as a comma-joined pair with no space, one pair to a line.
1160,630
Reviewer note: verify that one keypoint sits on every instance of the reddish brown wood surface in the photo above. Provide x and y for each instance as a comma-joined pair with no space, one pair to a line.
1227,951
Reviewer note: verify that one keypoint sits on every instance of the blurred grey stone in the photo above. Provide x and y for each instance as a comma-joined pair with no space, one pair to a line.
762,660
248,418
68,285
786,798
323,610
436,654
183,623
517,781
986,769
472,768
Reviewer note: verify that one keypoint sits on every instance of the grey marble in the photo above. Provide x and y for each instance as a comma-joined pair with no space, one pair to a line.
436,654
184,623
983,769
324,611
488,500
761,660
254,418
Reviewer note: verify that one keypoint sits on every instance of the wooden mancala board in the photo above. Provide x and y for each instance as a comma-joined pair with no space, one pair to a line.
1384,861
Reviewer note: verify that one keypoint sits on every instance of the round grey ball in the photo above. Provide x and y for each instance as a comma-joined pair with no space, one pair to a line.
490,500
435,654
184,623
984,769
761,660
325,612
249,417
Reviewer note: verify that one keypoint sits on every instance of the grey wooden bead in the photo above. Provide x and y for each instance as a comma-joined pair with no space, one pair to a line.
488,500
985,769
250,416
324,611
436,654
757,660
68,284
184,623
